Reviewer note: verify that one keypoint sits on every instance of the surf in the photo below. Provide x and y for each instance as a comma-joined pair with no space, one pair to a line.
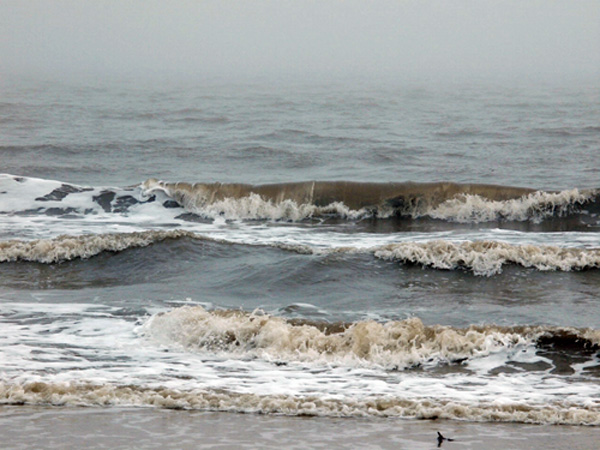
463,203
481,257
392,345
299,201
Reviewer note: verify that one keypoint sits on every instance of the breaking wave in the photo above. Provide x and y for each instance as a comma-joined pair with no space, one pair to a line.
487,257
480,257
65,248
393,345
535,206
451,202
305,346
463,203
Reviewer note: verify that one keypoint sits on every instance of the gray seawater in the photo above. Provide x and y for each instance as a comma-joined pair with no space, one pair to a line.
102,132
120,290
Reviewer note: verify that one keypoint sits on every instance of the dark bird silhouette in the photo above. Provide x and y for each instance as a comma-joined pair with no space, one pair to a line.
441,439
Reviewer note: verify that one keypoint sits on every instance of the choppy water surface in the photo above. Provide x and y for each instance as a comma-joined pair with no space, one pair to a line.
351,250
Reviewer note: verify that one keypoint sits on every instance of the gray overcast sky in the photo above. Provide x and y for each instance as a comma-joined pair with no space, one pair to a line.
436,38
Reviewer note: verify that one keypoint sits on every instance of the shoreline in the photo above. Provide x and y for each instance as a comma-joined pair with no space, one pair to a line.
49,427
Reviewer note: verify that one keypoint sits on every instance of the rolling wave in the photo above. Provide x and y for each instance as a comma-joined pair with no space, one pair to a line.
450,202
464,203
480,257
487,257
66,248
394,345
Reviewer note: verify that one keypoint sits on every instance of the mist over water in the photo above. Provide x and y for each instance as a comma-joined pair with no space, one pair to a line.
436,40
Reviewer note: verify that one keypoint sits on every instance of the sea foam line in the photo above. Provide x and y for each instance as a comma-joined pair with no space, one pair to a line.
89,394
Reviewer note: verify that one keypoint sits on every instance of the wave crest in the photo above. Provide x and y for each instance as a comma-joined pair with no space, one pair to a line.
393,345
483,258
352,200
536,206
65,248
254,207
487,257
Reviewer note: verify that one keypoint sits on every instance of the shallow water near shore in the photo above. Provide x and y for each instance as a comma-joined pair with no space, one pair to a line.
71,428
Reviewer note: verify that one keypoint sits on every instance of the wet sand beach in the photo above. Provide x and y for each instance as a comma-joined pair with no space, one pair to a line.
26,427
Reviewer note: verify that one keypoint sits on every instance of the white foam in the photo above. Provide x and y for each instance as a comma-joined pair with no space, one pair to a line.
64,248
89,355
251,207
254,207
89,394
464,208
487,257
394,344
16,189
536,207
481,257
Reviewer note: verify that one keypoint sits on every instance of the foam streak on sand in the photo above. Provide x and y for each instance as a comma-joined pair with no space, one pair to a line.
69,394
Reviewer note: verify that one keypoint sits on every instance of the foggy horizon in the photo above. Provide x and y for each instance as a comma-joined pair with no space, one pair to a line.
331,39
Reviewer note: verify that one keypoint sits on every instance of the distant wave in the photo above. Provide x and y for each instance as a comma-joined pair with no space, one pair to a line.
481,257
395,345
353,200
94,394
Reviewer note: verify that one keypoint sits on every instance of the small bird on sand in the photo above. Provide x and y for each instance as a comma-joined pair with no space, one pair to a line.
441,439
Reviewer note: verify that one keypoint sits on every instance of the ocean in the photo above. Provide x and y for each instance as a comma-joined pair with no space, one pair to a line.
353,263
